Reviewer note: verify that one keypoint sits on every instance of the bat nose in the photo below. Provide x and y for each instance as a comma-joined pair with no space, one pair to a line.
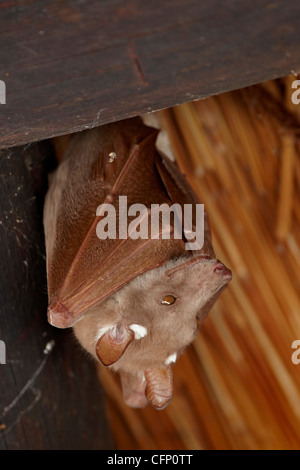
222,270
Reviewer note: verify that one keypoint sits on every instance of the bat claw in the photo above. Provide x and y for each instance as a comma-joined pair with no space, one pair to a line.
59,316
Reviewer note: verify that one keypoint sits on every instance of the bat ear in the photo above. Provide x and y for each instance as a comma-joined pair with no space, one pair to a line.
112,344
159,386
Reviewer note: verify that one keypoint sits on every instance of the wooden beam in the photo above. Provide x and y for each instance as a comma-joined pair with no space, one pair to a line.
50,395
73,65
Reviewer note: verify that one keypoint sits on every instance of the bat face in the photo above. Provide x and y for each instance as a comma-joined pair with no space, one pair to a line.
141,330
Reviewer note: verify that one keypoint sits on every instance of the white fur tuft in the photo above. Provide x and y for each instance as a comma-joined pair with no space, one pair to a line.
171,359
103,330
139,330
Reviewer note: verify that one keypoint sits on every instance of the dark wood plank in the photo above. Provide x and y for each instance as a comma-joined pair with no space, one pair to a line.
74,64
50,395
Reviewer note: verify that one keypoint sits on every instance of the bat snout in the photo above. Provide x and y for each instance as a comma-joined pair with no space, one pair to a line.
221,270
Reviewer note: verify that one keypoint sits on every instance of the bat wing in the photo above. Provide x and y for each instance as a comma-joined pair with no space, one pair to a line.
101,165
180,192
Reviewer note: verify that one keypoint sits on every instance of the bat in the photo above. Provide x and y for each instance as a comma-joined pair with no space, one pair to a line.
134,302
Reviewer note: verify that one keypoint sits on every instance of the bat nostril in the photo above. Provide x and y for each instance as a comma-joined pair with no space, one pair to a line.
221,269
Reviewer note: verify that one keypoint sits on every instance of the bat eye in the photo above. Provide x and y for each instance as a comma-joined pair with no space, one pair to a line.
168,299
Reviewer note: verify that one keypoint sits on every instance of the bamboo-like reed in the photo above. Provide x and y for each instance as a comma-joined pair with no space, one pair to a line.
236,386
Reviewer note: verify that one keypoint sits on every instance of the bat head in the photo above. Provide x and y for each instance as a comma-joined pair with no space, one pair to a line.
141,330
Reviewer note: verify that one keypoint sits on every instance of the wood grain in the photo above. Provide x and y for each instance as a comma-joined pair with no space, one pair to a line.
71,65
49,396
236,387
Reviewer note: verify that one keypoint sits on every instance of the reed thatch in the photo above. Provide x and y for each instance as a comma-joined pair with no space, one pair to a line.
236,386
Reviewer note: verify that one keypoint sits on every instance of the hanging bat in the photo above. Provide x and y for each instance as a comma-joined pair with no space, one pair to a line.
134,303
